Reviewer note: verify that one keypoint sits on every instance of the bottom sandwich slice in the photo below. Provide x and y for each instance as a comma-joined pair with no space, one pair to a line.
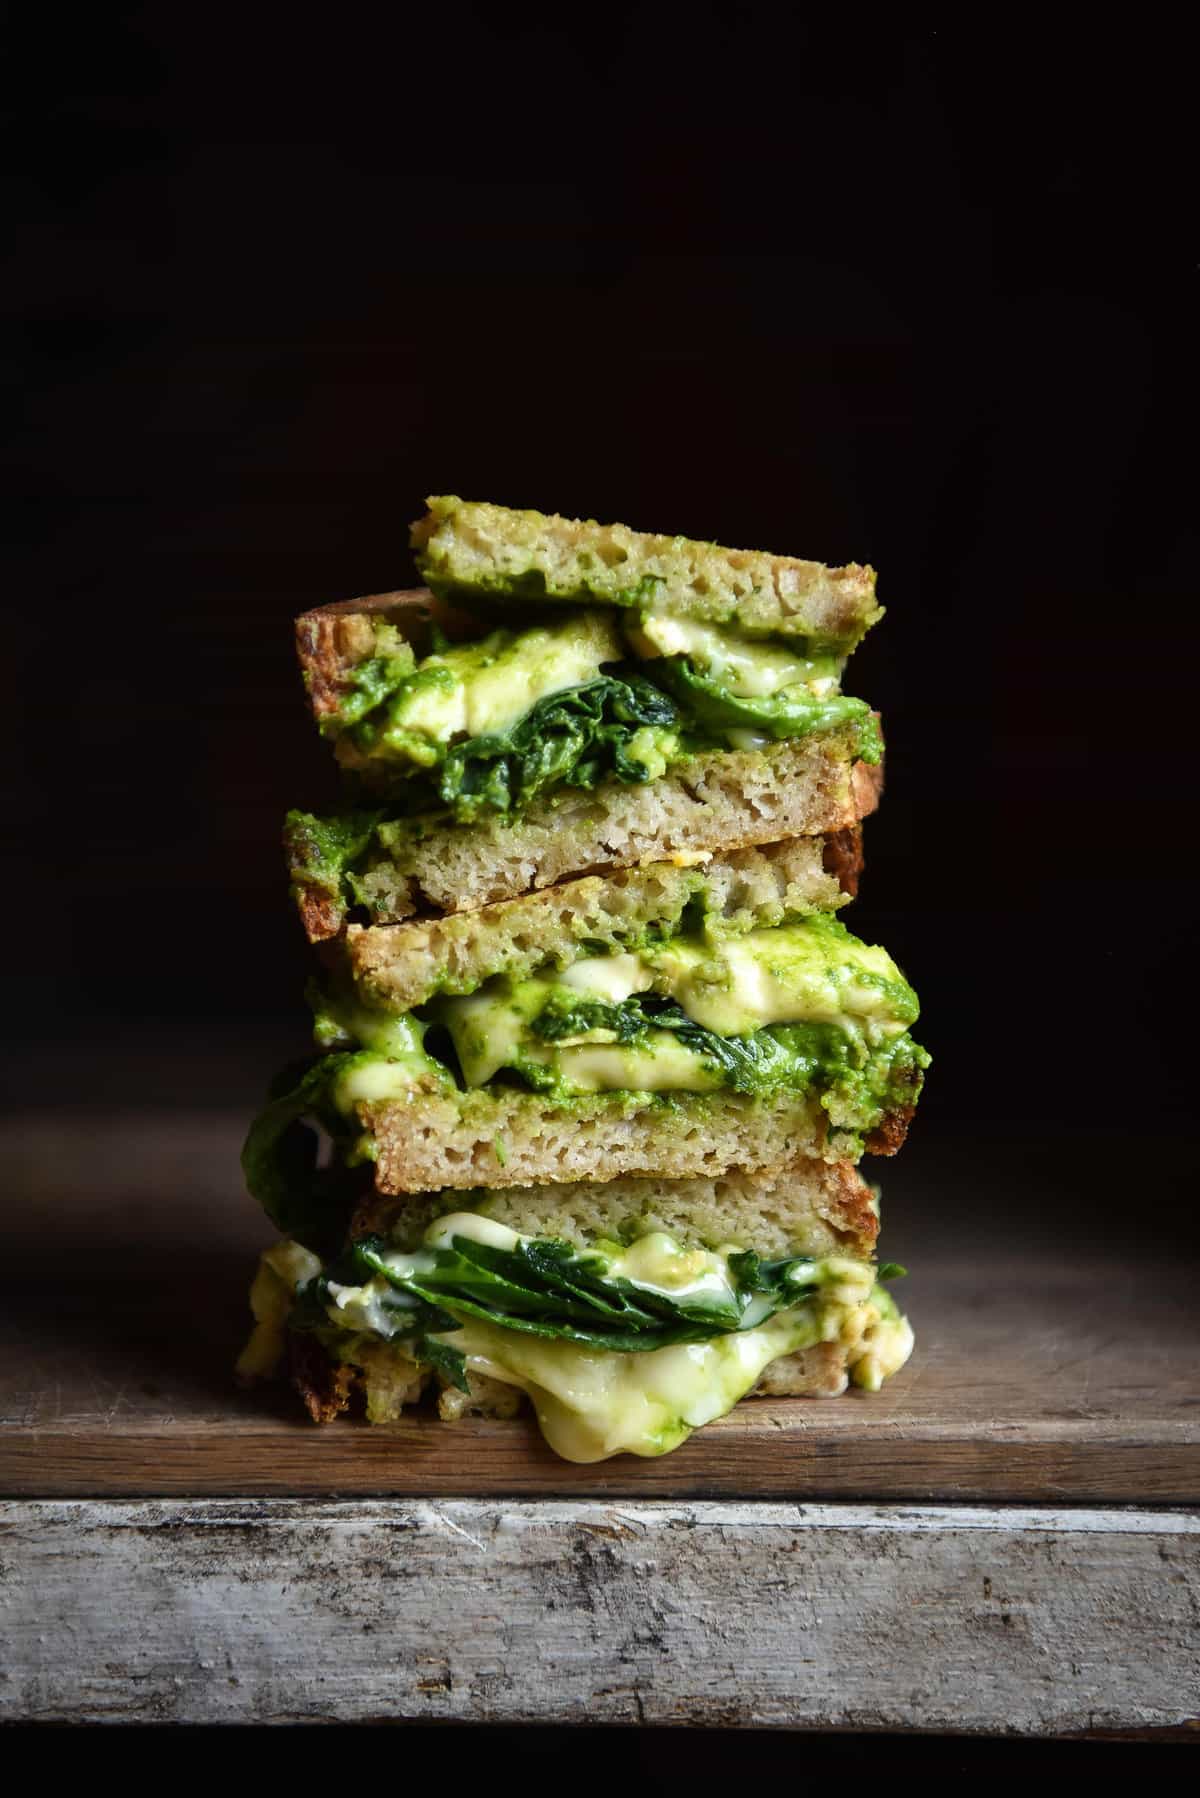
629,1313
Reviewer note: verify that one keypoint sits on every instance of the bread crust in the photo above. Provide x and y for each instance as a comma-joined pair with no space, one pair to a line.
331,641
842,858
325,1386
888,1136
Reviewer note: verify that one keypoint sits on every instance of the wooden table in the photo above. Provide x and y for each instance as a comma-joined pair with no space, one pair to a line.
999,1541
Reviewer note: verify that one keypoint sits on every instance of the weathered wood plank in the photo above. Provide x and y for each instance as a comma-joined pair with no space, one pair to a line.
851,1617
1046,1369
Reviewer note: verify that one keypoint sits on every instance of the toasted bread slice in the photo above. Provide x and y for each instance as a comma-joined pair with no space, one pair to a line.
505,1137
399,966
486,552
806,1207
712,804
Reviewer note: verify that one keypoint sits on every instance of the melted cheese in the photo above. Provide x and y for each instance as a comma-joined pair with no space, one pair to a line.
282,1270
885,1344
783,976
662,1065
482,689
608,977
733,987
748,667
657,1263
474,1226
371,1080
592,1403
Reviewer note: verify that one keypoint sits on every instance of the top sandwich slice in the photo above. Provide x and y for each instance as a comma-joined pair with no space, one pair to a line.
472,549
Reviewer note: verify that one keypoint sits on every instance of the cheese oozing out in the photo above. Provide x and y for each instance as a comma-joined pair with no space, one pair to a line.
593,1402
749,667
732,986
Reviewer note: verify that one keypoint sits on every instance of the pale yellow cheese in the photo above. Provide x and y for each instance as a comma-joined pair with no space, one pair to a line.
748,667
282,1270
663,1065
732,986
485,687
592,1402
608,977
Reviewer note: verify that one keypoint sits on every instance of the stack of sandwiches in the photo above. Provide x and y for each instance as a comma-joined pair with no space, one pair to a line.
596,1057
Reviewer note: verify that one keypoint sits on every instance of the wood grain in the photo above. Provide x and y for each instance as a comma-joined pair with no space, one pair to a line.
837,1617
1044,1371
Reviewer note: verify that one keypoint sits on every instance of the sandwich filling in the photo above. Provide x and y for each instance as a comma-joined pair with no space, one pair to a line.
480,729
622,1347
805,1008
803,1005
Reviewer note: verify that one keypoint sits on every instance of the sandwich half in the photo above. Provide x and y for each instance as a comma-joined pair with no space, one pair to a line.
566,696
629,1313
691,1019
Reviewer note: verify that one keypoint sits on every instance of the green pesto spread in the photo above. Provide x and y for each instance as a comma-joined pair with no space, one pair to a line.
798,1005
482,729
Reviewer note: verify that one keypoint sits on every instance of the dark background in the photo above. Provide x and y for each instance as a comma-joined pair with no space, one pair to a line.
919,298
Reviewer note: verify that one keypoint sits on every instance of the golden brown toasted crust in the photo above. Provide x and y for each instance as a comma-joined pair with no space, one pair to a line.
322,915
866,787
842,857
851,1207
331,641
889,1135
326,1387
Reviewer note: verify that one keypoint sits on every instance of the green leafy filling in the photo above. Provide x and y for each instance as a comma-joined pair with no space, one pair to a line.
575,738
281,1155
544,1287
824,1057
791,712
369,687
